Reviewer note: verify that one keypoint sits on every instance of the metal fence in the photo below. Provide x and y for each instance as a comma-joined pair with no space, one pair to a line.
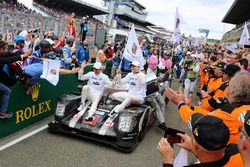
14,22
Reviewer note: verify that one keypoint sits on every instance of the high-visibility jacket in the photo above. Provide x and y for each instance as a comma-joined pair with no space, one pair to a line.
216,100
214,84
203,75
231,158
230,114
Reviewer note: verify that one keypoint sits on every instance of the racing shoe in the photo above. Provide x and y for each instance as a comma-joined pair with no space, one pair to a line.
81,107
162,126
89,118
4,115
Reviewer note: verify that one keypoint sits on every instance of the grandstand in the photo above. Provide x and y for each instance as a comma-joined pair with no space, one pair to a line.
238,14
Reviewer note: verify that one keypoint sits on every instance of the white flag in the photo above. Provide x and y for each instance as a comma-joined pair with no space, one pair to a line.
181,158
244,36
133,50
177,32
51,71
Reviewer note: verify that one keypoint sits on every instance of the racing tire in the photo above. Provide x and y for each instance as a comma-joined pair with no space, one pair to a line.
53,127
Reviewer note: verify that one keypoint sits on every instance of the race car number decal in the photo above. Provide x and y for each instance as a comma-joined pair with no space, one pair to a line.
109,123
93,122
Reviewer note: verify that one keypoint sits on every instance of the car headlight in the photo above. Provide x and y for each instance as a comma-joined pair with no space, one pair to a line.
126,123
60,109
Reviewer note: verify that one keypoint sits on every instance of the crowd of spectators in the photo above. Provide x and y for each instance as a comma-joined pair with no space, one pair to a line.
216,122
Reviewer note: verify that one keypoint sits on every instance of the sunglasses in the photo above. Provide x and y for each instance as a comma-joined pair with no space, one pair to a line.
229,52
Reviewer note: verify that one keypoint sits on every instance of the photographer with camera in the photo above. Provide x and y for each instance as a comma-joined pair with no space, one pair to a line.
192,68
206,72
209,142
182,64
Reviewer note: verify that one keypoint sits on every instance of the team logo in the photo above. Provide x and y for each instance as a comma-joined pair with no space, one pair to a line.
35,91
195,132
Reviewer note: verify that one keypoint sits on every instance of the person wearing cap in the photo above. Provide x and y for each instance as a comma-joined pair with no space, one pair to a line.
84,28
215,77
137,88
19,42
216,99
209,72
5,91
238,96
192,71
244,140
44,49
94,88
51,54
101,57
68,53
209,142
82,55
231,55
182,65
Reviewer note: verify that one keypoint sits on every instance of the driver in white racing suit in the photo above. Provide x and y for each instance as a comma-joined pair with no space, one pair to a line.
137,88
94,88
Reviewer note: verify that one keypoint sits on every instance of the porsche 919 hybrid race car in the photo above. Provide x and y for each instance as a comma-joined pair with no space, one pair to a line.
123,130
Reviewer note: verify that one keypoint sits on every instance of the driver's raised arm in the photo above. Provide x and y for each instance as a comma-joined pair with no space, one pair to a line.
82,76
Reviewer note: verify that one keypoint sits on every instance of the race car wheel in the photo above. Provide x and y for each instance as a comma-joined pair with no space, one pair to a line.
144,127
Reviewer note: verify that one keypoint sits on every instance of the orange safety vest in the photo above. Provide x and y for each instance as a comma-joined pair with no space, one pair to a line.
203,80
210,103
230,114
214,84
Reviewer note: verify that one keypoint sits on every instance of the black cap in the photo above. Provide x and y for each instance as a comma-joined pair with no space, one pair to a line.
58,52
210,132
231,69
220,65
247,123
70,39
44,44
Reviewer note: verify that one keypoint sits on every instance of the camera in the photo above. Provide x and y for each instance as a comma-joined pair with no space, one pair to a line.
171,135
187,65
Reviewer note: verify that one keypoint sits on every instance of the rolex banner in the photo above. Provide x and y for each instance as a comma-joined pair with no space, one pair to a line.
51,71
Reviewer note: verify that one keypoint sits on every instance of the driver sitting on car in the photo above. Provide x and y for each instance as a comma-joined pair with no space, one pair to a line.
94,88
137,88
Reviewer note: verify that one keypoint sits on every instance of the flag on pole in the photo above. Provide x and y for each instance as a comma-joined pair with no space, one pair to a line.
177,32
244,36
51,71
132,49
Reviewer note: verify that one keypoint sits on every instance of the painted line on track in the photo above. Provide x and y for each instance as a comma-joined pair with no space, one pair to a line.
3,147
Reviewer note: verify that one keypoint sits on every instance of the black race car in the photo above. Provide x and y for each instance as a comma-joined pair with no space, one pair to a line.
123,130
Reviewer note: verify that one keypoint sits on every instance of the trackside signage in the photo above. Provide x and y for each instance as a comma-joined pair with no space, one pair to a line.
39,104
